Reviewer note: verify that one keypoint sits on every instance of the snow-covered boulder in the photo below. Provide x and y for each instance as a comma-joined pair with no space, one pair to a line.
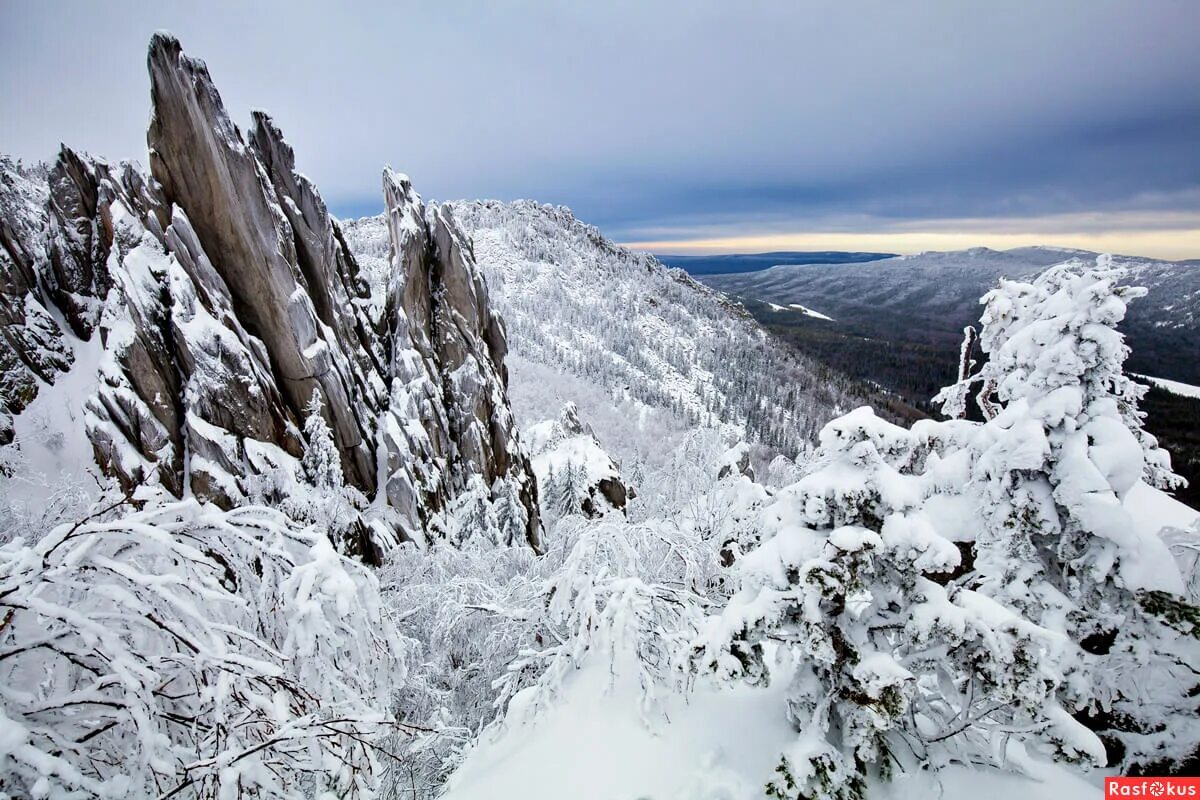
574,472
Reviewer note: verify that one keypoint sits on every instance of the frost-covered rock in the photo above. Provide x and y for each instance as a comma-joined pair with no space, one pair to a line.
246,203
225,299
34,351
446,349
574,472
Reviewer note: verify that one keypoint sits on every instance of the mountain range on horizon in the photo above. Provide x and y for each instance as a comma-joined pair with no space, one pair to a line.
733,263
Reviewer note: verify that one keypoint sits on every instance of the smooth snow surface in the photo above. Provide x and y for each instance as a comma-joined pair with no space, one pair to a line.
52,442
1174,387
1046,782
593,746
802,309
1152,510
718,745
809,312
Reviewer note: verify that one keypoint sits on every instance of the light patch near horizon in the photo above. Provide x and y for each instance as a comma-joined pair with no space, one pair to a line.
1170,246
1173,237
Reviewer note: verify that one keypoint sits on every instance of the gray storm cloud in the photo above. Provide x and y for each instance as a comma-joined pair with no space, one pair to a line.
648,116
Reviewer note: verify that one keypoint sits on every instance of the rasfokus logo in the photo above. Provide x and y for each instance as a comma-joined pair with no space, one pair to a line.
1151,787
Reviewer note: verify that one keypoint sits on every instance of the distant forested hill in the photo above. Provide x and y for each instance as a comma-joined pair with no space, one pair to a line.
897,323
753,262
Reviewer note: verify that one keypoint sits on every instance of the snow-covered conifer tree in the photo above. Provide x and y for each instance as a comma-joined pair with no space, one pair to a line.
510,514
1063,447
570,490
471,515
321,496
896,664
322,464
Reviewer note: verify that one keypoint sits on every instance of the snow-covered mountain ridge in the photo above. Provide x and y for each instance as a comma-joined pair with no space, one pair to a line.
573,299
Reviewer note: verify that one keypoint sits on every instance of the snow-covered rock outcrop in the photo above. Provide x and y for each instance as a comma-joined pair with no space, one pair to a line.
446,350
225,299
573,468
34,350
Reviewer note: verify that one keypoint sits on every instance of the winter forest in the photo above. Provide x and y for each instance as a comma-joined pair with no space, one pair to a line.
464,500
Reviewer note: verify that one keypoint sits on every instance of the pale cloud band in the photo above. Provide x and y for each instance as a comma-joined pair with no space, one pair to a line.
1167,235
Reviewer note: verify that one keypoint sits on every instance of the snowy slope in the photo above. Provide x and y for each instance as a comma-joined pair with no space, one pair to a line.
717,744
1174,387
691,757
51,448
573,299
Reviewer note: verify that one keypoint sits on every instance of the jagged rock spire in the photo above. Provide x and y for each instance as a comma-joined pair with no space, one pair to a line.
199,158
441,320
225,298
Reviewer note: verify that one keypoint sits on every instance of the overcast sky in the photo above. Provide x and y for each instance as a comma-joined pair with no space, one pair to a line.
681,126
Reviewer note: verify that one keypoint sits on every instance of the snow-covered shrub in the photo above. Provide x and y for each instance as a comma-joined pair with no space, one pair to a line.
945,588
34,502
30,503
467,611
782,471
184,649
499,629
563,490
471,515
897,665
609,588
696,487
1065,444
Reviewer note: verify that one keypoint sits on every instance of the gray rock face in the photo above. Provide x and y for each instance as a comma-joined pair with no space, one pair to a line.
225,297
203,166
447,349
79,236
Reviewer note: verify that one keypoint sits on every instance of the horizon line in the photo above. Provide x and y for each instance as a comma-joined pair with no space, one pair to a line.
1169,245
